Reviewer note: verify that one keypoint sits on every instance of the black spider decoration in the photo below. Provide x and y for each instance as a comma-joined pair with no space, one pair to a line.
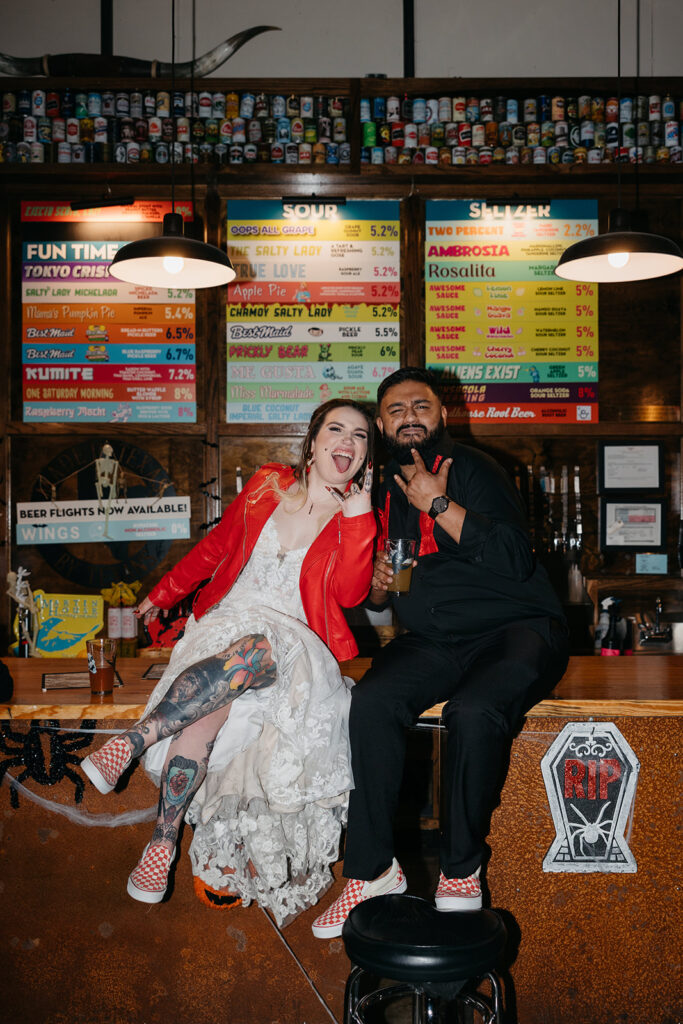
25,750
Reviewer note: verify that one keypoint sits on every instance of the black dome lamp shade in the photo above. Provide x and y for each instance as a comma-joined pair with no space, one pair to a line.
171,260
621,254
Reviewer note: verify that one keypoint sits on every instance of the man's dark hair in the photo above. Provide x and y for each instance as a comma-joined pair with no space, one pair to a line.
409,373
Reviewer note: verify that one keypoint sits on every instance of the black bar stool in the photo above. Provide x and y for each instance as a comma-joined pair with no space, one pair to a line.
438,956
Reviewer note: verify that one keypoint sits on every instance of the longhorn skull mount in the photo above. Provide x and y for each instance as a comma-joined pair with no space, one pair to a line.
82,65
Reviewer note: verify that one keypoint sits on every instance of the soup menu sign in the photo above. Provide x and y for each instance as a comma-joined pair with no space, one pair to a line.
314,311
95,349
519,344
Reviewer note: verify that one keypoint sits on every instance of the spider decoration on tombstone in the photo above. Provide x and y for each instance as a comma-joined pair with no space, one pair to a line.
25,750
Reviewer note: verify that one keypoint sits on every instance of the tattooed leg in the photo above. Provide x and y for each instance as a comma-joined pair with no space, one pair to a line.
205,687
184,771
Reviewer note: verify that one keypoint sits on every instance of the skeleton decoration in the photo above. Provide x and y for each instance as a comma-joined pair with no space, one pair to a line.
19,590
79,65
110,482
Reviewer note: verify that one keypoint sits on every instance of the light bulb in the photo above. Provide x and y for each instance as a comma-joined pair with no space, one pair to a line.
173,264
618,259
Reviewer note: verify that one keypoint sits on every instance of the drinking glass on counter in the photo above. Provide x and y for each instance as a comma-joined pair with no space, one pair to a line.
101,665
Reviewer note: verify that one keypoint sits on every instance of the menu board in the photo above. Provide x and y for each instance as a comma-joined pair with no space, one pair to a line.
314,311
518,343
95,349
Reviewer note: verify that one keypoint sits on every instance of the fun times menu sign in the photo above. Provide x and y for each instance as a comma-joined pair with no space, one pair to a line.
95,349
519,344
314,311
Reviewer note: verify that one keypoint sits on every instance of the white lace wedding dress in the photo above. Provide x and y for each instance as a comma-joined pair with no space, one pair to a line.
278,778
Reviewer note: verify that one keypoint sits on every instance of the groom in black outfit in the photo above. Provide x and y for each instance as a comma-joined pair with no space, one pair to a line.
482,629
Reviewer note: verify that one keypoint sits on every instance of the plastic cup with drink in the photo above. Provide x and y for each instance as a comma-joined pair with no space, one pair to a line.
400,552
101,665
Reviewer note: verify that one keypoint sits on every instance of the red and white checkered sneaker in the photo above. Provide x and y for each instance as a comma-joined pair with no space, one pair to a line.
329,925
149,880
105,767
458,893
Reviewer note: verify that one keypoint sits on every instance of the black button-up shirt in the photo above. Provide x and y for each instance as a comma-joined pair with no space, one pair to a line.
489,579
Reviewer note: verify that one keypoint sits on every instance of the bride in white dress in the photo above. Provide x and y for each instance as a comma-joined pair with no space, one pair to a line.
246,732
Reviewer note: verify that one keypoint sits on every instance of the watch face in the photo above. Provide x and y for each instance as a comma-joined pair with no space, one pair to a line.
439,505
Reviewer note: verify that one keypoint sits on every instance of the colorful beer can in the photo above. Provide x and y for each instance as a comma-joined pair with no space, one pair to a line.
247,102
397,136
377,155
612,109
432,111
137,105
641,109
600,135
657,133
655,108
471,156
512,111
232,105
424,135
486,155
540,155
530,109
486,109
445,112
277,153
379,108
519,135
626,109
37,150
78,153
505,133
533,134
465,134
345,153
58,129
163,103
52,104
458,156
628,134
438,133
310,130
81,105
460,106
597,108
369,133
390,154
30,132
445,156
478,135
38,102
296,130
339,129
584,107
419,110
451,133
594,156
332,152
587,133
64,153
410,135
561,134
236,153
291,153
431,155
548,133
44,129
365,114
305,153
491,128
250,153
205,104
526,155
643,133
512,155
325,129
393,108
671,133
239,132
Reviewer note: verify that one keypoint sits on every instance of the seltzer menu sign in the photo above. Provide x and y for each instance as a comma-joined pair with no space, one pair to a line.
517,343
590,774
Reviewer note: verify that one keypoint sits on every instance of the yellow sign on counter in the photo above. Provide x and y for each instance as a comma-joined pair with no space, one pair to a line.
65,622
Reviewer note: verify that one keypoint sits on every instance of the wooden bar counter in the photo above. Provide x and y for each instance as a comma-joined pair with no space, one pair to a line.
633,687
587,945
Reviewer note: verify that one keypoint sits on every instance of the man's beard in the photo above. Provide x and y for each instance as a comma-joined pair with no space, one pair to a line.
401,450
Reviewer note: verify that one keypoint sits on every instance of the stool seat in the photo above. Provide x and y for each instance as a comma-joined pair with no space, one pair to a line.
406,938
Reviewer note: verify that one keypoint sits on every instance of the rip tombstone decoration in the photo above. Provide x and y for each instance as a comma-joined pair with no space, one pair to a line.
590,774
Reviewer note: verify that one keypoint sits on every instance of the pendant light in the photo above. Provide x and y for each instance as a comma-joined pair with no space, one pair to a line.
171,260
627,251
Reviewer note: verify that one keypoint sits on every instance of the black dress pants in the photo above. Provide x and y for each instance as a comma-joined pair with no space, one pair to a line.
489,683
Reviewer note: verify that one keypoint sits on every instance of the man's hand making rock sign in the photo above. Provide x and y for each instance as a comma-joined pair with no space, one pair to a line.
427,491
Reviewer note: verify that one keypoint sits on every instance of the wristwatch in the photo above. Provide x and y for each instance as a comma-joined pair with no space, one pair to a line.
439,505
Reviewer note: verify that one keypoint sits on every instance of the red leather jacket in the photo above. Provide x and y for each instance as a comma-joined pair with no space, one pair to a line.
335,574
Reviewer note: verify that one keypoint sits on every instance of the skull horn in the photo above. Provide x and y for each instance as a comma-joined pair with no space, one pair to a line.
76,65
